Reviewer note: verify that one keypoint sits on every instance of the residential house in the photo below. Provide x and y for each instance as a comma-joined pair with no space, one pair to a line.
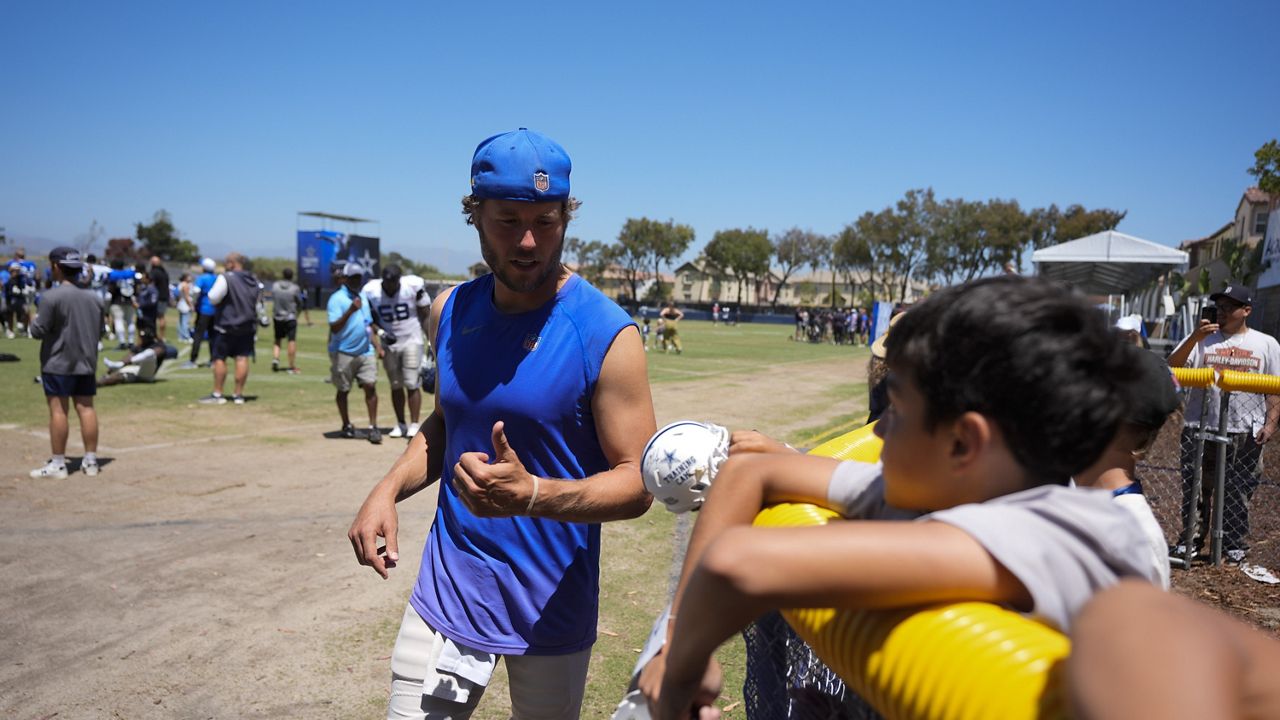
1206,254
1248,225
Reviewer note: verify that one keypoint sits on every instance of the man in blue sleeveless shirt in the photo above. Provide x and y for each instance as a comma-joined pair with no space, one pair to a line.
541,415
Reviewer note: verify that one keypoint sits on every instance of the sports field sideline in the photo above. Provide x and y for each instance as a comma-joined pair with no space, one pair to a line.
206,571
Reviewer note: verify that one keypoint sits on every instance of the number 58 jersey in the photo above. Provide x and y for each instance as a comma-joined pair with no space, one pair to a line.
399,312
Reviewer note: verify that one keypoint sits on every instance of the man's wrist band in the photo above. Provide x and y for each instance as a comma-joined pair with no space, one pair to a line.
532,498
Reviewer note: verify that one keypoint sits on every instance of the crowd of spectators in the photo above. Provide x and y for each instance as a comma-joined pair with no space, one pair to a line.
838,326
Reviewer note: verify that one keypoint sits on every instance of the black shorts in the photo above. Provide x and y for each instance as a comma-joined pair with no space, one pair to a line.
225,346
69,385
286,330
161,308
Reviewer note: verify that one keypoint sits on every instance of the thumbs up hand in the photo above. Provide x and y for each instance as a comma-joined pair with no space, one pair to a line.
497,486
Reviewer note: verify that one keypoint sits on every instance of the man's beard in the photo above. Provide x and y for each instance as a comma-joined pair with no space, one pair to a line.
502,271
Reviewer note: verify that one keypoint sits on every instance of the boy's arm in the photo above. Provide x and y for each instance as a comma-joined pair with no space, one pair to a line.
744,485
864,564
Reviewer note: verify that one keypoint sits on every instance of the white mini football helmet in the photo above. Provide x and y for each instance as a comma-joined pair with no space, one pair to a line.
680,462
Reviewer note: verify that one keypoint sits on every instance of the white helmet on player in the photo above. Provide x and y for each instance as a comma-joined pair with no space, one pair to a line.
680,462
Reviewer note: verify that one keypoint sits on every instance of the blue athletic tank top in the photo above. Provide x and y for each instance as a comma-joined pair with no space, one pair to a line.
518,585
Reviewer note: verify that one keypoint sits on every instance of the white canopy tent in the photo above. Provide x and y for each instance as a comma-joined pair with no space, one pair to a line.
1107,263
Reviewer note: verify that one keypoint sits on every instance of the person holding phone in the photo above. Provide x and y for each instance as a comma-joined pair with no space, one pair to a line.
1224,341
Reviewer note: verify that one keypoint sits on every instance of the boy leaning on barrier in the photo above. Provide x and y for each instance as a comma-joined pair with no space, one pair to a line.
1000,391
1152,397
1227,344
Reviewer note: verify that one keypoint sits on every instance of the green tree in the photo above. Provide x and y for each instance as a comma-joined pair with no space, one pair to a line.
1050,226
1266,168
899,238
270,268
646,244
122,248
160,237
973,238
743,253
793,250
869,242
852,255
593,260
409,266
1078,222
1244,263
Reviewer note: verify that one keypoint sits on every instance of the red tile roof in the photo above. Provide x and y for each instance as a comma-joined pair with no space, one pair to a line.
1255,195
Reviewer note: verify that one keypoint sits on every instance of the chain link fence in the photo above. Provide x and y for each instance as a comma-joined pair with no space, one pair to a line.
1214,489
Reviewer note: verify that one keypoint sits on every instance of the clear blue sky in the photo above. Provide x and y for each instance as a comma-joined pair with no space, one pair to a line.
234,116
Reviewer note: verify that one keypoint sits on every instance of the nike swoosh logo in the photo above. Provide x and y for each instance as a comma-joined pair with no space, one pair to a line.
468,331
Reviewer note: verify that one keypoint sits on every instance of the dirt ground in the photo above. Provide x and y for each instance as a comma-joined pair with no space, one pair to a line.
207,574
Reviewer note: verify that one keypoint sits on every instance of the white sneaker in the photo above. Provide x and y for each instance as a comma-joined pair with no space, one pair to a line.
397,431
413,430
50,470
8,334
90,467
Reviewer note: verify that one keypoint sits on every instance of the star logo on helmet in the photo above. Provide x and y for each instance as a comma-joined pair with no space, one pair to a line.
669,457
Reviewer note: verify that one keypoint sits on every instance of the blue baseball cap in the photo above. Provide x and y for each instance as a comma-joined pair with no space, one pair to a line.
521,165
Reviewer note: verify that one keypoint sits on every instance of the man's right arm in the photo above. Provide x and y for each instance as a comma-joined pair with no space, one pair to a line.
1178,358
336,324
417,467
219,290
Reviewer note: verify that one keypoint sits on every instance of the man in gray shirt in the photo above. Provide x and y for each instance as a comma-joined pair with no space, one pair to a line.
69,327
286,299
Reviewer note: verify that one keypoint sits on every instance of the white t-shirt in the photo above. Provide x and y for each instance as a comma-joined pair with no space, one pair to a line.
399,314
1249,351
1137,505
1063,544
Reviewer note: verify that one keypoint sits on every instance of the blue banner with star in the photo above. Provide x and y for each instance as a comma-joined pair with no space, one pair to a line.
364,250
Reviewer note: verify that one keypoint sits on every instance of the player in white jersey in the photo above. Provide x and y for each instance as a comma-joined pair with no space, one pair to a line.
96,274
400,305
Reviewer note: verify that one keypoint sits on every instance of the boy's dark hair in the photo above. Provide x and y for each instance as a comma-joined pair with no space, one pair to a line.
1037,359
287,273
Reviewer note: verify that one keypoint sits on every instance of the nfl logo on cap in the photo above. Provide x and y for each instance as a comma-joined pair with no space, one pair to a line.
541,182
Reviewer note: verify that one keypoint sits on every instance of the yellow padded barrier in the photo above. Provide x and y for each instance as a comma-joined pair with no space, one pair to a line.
1194,377
957,661
1236,381
861,444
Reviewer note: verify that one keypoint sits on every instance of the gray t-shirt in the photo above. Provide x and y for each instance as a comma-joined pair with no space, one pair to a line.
286,296
1063,544
1249,351
69,325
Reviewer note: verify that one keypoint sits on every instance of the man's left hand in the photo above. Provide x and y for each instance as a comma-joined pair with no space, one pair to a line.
493,489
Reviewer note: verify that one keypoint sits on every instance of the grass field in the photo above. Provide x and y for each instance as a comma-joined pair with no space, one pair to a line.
637,555
710,351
